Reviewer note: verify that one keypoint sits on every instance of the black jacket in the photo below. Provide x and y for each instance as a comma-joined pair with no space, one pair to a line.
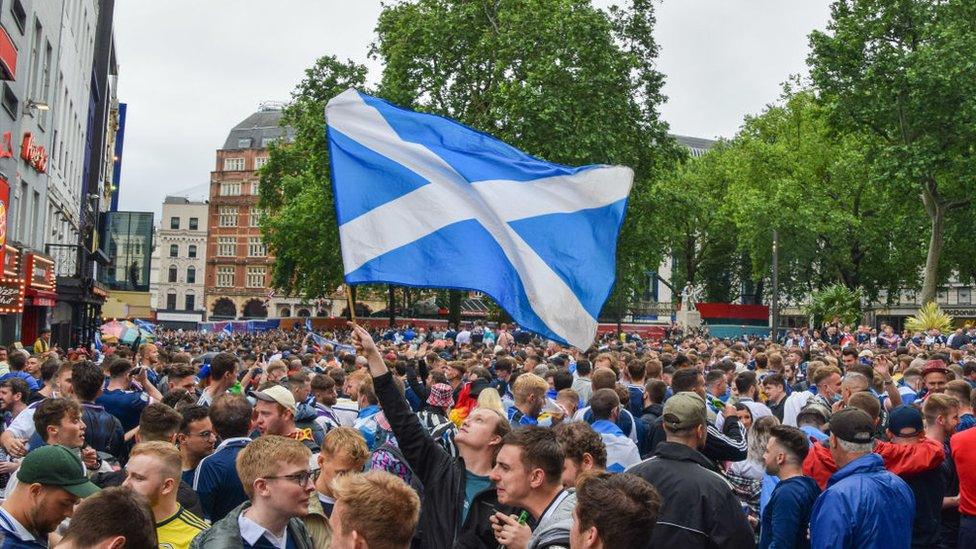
103,431
698,508
477,532
729,444
444,478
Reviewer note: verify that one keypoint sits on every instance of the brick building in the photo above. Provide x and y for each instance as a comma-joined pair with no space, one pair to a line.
238,269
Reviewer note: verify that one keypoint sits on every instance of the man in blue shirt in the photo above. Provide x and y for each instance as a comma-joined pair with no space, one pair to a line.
215,479
120,399
864,505
786,518
18,363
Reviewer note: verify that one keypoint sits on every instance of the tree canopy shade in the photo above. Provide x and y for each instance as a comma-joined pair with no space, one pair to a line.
559,79
903,72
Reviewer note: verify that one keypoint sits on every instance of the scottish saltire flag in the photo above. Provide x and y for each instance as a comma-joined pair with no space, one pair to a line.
308,323
424,201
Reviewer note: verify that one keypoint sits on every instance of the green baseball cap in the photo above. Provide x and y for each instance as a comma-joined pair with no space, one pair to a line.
684,411
56,466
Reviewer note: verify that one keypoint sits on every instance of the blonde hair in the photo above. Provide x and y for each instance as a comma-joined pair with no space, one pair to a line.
527,384
379,506
164,452
347,441
263,456
489,398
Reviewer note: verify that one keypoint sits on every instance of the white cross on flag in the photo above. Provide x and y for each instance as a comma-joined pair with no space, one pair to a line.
425,201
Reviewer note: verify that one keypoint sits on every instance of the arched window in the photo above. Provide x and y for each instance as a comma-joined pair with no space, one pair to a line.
191,275
172,273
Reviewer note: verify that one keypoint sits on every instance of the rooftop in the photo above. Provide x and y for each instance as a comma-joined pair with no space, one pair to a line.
697,146
259,130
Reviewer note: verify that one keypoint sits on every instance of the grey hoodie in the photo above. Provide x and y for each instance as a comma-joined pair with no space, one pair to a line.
552,532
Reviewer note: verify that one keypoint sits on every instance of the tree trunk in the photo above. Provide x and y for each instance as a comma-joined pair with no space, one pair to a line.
392,306
930,284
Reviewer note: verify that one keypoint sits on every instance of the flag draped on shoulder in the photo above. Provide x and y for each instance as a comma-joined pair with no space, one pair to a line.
425,201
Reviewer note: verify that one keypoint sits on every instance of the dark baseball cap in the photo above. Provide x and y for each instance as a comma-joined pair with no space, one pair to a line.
905,421
56,466
852,425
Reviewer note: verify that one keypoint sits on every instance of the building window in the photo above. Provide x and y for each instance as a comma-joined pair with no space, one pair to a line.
174,250
244,143
171,301
233,164
172,273
256,215
260,161
230,188
225,276
10,102
256,248
194,222
255,277
174,223
228,216
190,302
20,15
963,296
226,245
191,275
191,250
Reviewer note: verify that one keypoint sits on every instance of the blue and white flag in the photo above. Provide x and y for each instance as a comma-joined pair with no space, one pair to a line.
147,326
424,201
308,323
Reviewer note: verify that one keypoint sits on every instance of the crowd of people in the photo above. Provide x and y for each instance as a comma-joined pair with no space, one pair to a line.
485,436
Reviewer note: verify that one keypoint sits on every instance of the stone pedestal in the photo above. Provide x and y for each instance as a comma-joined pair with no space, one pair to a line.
689,318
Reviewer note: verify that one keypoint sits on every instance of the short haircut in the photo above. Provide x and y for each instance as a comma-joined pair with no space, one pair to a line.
866,402
603,403
323,382
540,450
635,369
528,384
52,411
119,367
192,413
231,416
112,512
181,370
578,438
714,375
49,368
938,404
960,389
603,378
297,380
221,364
744,381
824,372
378,506
656,390
179,399
775,379
167,454
775,361
562,380
18,386
159,422
16,360
684,379
623,508
792,440
653,368
347,441
263,457
86,379
583,367
856,381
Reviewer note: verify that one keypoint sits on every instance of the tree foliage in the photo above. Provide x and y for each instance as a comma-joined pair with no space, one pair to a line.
835,303
903,72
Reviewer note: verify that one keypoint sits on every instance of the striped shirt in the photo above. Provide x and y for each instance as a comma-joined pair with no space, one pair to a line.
178,531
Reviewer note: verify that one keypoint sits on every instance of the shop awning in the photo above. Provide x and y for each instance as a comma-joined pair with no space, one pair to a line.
41,298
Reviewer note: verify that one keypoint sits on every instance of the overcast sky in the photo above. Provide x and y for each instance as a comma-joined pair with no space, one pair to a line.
191,70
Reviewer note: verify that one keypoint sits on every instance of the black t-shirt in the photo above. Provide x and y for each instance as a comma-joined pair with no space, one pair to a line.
929,489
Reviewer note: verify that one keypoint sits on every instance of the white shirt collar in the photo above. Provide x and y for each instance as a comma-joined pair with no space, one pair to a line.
10,522
251,532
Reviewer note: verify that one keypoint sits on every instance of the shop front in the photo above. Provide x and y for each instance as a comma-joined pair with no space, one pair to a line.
40,295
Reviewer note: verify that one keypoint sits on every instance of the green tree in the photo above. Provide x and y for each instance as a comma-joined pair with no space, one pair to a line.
903,71
300,227
558,79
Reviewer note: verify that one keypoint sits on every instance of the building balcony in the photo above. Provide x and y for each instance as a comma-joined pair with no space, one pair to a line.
67,259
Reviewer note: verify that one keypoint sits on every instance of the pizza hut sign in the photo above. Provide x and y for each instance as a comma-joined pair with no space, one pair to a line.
35,155
11,295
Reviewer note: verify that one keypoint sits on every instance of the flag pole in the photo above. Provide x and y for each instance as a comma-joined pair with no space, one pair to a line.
350,304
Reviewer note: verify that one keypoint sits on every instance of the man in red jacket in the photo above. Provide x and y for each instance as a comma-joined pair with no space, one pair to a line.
964,453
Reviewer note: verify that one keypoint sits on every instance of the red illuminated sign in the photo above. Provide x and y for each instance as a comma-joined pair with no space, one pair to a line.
8,56
11,295
34,154
4,210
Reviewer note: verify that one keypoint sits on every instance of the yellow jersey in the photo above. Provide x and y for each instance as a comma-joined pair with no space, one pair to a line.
178,531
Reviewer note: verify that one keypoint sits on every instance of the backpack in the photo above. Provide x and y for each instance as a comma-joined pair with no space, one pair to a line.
388,457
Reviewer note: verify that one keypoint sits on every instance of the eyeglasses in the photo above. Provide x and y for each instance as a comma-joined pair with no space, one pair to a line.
300,479
202,434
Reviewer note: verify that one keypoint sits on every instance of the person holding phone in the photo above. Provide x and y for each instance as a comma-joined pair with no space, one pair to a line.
128,393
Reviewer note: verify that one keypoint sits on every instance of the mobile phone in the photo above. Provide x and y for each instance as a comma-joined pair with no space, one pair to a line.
136,372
